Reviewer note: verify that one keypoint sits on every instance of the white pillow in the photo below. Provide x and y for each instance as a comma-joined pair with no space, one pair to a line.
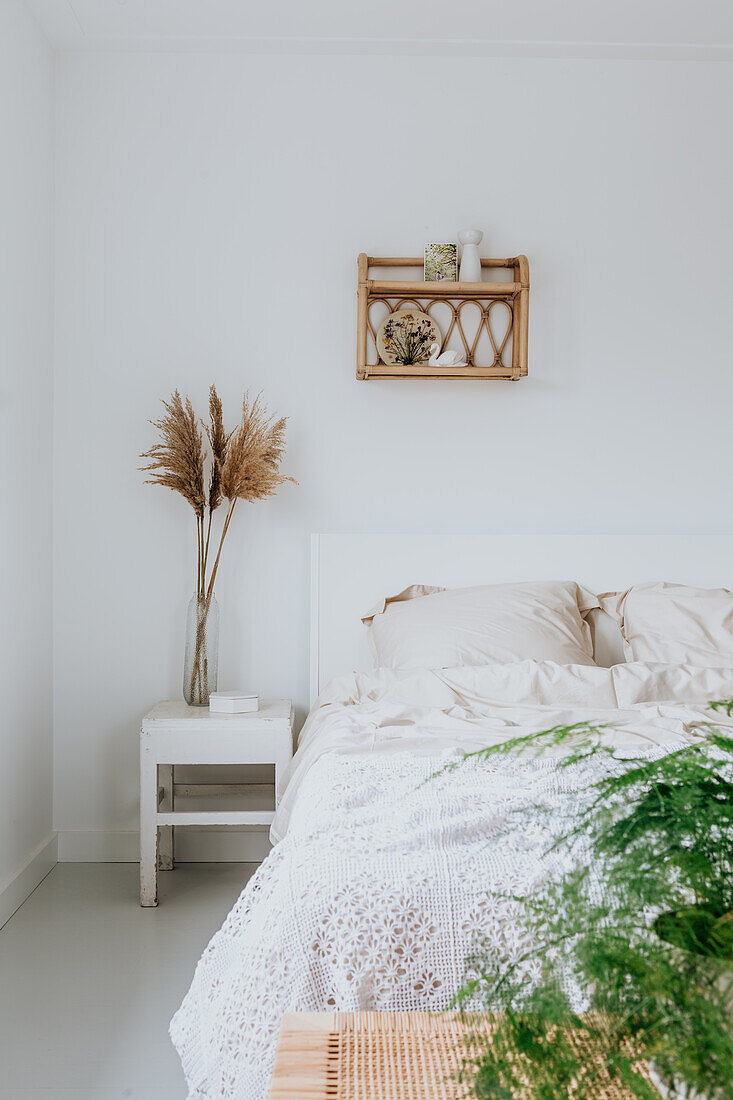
426,627
674,624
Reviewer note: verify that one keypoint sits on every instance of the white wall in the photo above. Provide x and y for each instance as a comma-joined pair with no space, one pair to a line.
26,190
210,209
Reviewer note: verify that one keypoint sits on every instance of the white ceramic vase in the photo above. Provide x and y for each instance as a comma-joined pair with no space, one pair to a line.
470,262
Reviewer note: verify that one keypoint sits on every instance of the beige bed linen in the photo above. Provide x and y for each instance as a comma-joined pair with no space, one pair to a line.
464,709
443,628
674,623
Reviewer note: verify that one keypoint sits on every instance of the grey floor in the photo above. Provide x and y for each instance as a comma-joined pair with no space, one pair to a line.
89,980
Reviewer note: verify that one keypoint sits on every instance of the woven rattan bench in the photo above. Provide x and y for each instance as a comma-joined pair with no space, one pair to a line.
376,1056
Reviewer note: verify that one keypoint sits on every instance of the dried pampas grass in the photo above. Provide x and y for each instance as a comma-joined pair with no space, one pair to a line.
219,443
251,469
244,464
256,449
178,461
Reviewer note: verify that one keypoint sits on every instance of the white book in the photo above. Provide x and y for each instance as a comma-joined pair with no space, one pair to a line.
233,702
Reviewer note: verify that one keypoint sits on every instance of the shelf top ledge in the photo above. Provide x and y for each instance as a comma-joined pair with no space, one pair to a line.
444,289
519,265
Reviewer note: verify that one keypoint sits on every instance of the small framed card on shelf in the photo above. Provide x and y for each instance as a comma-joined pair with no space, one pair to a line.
441,262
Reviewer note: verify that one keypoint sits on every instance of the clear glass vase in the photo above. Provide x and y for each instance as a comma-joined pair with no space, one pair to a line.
201,661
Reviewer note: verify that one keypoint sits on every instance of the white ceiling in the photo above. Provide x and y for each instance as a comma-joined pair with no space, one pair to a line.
563,28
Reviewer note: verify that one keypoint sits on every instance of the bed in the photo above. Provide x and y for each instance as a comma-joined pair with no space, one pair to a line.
389,871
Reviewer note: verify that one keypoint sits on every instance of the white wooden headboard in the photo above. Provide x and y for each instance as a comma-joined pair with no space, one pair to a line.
349,573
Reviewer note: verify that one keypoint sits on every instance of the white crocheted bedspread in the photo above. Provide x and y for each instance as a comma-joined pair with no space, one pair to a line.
387,881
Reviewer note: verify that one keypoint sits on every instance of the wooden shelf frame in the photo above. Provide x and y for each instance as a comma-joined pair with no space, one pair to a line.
399,293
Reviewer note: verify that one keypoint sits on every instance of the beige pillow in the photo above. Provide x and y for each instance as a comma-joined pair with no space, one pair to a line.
426,627
674,624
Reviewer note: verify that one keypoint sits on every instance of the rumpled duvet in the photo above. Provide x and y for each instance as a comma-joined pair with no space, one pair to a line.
386,879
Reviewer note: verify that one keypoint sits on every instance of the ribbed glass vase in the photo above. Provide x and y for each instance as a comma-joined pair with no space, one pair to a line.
201,661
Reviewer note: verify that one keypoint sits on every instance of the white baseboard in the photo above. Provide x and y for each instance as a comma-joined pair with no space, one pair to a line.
193,845
16,889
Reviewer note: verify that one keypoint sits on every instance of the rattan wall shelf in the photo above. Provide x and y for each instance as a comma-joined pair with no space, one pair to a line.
488,322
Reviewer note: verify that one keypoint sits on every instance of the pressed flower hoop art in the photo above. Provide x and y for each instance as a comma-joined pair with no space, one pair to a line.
405,337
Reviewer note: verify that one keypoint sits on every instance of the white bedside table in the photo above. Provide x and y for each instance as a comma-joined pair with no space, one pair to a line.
174,733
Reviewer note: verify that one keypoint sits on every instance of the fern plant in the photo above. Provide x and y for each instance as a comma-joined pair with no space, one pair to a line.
642,922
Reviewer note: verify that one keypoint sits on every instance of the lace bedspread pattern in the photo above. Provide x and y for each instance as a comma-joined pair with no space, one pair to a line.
386,884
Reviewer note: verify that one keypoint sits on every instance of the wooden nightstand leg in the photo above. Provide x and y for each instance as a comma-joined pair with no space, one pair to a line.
165,843
148,828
